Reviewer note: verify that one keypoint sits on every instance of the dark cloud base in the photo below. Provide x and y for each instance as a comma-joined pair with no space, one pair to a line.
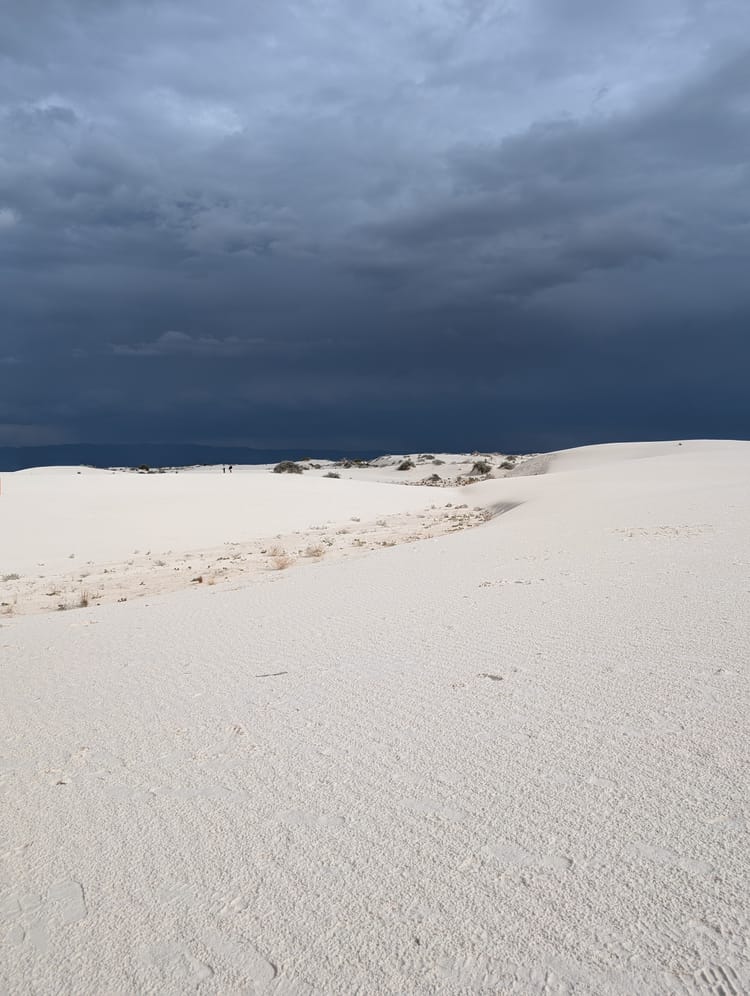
374,228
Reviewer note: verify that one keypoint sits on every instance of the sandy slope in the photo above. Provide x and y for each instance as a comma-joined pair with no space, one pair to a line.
47,515
510,760
76,536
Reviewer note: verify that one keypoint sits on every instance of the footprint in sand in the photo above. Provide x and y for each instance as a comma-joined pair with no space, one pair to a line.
479,973
514,856
302,818
709,980
179,892
431,807
470,972
35,917
671,859
70,900
234,904
242,958
176,965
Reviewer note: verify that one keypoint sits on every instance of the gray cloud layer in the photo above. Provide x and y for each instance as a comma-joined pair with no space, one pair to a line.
389,223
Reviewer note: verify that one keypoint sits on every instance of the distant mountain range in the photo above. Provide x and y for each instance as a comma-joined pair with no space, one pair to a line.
156,455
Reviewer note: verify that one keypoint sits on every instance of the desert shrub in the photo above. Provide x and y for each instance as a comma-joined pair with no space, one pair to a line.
507,465
144,468
314,551
405,465
11,577
438,463
433,479
481,467
287,467
427,456
281,561
332,473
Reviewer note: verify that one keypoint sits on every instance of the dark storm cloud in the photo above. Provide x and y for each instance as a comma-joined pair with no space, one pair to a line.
331,223
178,343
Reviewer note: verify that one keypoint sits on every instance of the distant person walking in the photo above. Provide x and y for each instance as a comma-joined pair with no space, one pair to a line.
230,468
223,470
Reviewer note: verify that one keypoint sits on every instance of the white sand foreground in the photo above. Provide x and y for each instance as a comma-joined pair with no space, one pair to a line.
513,759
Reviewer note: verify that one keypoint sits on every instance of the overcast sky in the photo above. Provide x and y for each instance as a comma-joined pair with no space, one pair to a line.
383,223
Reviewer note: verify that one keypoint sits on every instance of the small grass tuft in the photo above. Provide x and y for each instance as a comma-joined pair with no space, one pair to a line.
281,561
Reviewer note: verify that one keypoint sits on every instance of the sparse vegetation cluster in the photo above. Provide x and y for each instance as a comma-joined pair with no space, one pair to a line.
279,558
354,462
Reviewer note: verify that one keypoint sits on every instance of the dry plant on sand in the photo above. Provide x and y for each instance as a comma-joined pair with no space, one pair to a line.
279,558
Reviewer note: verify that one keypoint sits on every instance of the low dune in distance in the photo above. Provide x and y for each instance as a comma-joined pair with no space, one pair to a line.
381,733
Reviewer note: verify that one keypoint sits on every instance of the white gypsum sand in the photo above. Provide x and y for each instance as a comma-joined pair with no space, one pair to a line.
72,537
512,759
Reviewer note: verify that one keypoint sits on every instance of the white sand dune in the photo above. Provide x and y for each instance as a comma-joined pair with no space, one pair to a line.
106,515
72,536
513,759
